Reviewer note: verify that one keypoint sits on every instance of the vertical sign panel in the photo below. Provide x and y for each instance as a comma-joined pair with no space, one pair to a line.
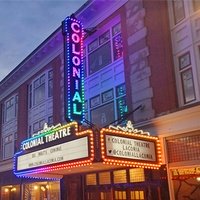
73,71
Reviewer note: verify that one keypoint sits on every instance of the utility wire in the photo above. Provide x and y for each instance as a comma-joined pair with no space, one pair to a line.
121,119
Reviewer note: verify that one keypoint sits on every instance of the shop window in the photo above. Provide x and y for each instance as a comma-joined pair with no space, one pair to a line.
105,195
9,192
41,190
179,11
186,182
185,148
185,70
196,4
137,195
136,175
120,176
91,179
104,178
120,195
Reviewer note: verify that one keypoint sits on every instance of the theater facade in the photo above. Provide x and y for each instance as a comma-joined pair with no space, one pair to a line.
107,107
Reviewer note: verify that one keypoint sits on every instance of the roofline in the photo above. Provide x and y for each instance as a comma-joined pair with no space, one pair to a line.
78,12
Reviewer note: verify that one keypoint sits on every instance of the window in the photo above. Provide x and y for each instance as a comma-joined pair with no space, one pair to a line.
120,195
10,108
103,115
50,120
38,125
188,86
184,148
108,106
41,89
103,50
50,83
107,96
95,101
117,42
185,70
8,146
179,12
99,58
139,195
196,5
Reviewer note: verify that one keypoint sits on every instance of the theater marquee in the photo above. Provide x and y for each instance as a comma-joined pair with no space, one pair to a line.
127,146
54,148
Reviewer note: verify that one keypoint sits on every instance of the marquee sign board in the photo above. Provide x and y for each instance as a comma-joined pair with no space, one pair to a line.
127,146
73,69
60,147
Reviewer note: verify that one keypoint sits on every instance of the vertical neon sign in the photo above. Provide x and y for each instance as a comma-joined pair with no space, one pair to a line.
73,70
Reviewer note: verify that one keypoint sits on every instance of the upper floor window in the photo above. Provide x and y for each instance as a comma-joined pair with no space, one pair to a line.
179,11
8,147
107,106
41,88
185,70
10,109
103,50
196,5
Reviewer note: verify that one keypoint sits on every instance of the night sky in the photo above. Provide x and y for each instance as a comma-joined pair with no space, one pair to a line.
25,24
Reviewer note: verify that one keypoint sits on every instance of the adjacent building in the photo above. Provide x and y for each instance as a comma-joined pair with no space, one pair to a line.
141,63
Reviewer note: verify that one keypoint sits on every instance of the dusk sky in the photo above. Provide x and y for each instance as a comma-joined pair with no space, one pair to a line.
25,24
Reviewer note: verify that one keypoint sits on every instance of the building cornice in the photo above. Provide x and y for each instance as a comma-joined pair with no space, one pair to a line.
182,121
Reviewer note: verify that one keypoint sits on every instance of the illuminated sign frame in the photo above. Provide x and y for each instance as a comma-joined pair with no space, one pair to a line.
49,134
73,70
79,161
129,137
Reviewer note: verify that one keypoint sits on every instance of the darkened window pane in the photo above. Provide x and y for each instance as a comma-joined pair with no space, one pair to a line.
116,29
117,47
107,96
103,115
93,45
95,101
84,67
50,88
39,94
104,38
100,58
179,12
184,60
188,86
183,149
